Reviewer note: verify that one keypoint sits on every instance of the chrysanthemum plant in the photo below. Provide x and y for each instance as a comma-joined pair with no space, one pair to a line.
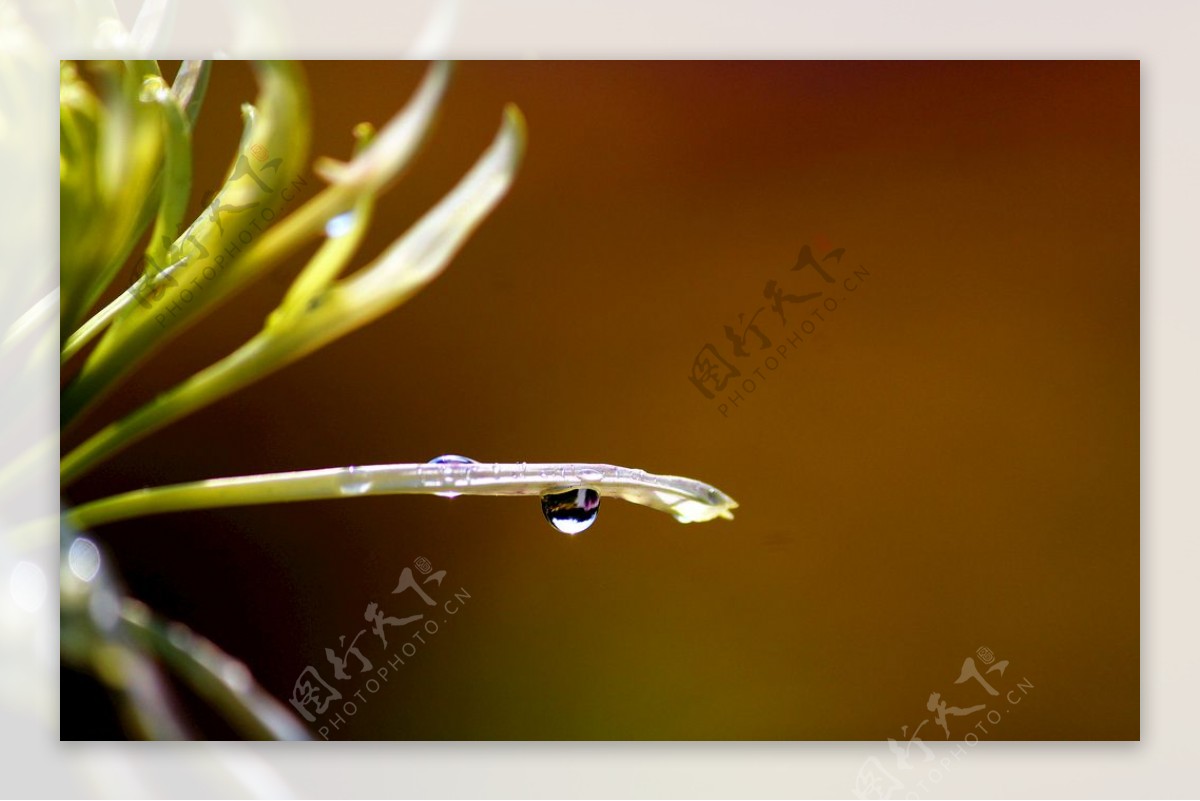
125,169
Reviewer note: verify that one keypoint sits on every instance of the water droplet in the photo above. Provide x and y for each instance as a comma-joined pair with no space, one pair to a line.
572,511
356,482
339,225
590,474
450,458
84,559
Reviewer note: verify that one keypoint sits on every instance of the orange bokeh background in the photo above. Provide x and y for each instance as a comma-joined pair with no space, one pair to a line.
949,461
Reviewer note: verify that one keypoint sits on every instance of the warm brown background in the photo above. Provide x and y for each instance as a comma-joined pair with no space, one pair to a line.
950,462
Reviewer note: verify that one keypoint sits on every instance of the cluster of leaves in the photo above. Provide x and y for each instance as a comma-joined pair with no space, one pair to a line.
126,159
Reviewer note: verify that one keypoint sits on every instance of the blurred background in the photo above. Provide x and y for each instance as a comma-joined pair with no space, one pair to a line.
946,462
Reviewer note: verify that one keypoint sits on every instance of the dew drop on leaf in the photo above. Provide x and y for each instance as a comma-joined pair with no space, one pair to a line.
572,511
450,458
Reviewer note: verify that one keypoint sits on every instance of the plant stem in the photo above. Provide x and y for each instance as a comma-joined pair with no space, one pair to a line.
686,499
215,676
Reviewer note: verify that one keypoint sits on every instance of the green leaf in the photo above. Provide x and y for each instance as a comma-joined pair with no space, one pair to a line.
685,499
277,132
402,270
111,154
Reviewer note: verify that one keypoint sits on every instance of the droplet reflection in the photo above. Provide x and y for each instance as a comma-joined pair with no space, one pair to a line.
572,511
450,458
